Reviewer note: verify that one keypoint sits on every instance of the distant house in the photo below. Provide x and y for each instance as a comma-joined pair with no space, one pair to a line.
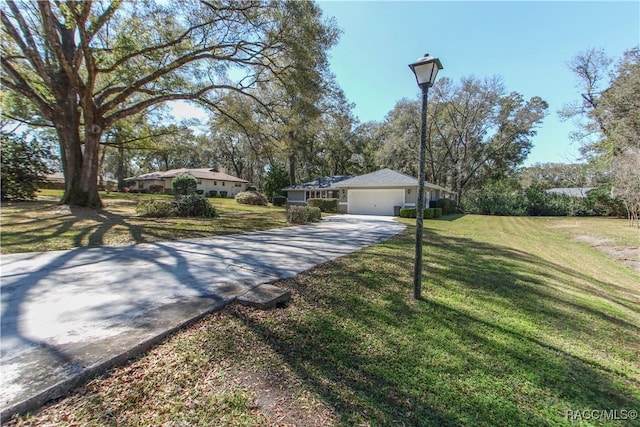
211,182
579,192
56,181
53,180
376,193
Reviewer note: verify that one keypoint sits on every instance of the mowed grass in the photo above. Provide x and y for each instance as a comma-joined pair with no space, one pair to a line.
43,225
519,325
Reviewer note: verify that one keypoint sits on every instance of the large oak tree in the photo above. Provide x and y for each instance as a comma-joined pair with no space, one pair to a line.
86,65
476,131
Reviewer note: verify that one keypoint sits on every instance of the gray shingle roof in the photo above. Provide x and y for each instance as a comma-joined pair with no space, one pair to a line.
201,173
381,178
384,178
571,191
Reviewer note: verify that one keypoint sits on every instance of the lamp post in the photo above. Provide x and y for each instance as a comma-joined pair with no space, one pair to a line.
425,69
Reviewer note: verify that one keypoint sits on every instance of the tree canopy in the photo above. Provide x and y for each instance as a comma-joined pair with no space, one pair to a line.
608,116
83,66
475,131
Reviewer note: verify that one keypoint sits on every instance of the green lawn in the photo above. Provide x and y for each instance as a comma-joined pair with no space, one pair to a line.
43,225
520,324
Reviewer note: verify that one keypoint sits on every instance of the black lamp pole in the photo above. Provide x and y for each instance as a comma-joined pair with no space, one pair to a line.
425,69
417,266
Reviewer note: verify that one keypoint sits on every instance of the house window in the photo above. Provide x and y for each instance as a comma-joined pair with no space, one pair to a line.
140,184
238,185
199,182
215,182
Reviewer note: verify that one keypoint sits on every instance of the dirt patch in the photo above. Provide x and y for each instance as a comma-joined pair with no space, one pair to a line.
593,241
280,399
628,256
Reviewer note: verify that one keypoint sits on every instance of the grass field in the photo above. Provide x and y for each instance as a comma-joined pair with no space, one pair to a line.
43,225
520,325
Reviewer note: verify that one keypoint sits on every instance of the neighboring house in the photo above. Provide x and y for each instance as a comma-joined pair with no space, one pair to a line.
580,192
56,181
53,181
376,193
321,188
209,181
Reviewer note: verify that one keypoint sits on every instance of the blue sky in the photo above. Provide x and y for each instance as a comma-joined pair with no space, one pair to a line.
528,44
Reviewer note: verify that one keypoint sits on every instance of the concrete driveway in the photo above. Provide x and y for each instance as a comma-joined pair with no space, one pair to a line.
69,315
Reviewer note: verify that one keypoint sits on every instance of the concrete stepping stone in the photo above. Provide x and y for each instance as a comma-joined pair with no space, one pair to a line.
265,296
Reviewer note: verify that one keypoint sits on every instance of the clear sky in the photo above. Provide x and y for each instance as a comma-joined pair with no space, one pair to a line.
528,44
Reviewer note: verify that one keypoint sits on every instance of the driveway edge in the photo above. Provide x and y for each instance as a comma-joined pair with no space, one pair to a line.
87,374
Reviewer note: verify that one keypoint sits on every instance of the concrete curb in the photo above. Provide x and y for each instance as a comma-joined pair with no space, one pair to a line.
64,387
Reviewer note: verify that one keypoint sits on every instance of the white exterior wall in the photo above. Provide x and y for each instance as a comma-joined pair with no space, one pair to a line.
231,187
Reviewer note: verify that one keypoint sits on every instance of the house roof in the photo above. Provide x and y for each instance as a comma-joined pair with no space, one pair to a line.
56,176
59,177
201,173
385,178
324,183
571,191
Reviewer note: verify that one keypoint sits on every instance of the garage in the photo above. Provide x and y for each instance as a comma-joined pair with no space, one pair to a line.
374,201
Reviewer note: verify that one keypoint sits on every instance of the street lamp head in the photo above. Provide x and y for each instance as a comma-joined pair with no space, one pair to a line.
426,69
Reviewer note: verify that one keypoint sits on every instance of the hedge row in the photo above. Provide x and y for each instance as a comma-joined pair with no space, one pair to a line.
193,205
325,205
448,206
429,213
504,198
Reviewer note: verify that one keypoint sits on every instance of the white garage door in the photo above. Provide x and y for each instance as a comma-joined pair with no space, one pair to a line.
374,202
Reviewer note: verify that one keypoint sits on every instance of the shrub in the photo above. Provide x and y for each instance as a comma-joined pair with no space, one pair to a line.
279,201
213,193
303,214
200,192
184,184
599,202
23,164
194,205
448,206
251,198
155,208
325,205
428,213
497,198
437,212
223,194
156,189
408,213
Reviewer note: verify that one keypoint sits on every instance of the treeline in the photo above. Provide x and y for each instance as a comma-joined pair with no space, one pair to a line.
507,199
